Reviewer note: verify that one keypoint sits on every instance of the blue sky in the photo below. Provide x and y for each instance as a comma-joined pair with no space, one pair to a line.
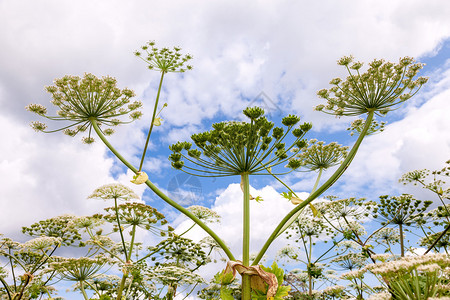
284,49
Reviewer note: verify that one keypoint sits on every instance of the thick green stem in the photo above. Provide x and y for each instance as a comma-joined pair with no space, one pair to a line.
164,196
121,286
133,234
310,266
83,291
6,286
320,190
317,180
246,288
153,120
127,259
402,246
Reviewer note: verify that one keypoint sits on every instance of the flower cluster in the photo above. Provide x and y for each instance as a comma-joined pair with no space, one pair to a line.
383,86
116,191
402,209
57,227
164,60
386,236
423,263
319,155
414,177
205,214
350,261
382,296
42,243
350,208
234,148
172,274
85,222
356,127
136,214
181,250
84,100
78,269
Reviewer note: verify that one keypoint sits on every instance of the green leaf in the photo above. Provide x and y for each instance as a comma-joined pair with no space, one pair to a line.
283,291
227,278
287,195
259,199
226,294
279,273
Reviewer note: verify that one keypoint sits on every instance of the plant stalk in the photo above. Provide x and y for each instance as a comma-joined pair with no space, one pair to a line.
153,120
164,196
246,284
402,246
320,190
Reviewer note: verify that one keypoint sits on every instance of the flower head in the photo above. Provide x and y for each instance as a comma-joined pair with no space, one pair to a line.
164,60
180,250
84,100
319,155
78,269
115,191
42,243
136,214
234,148
169,274
387,236
402,209
356,127
205,214
350,261
383,86
57,227
85,222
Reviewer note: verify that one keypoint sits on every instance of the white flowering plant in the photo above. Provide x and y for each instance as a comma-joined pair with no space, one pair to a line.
233,148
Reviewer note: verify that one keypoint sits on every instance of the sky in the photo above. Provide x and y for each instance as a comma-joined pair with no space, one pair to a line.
277,54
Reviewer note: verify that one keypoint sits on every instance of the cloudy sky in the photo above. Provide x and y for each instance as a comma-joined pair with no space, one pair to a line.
272,53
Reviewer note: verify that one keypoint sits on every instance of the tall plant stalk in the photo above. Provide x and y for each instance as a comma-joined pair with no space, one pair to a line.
246,285
402,243
152,122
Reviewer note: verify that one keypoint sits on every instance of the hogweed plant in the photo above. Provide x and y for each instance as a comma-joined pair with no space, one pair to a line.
233,148
242,148
402,211
434,182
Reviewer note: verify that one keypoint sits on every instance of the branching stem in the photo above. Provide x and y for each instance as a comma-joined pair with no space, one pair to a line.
320,190
164,196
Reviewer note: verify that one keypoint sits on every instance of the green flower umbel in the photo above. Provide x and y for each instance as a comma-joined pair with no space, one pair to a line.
83,100
234,148
319,155
164,60
383,86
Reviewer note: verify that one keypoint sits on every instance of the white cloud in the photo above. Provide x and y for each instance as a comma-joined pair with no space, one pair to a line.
265,216
43,178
